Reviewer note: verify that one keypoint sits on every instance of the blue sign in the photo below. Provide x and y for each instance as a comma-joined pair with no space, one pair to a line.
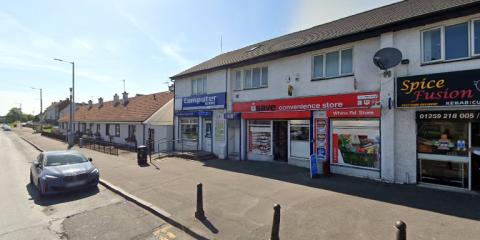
231,116
209,101
313,166
194,114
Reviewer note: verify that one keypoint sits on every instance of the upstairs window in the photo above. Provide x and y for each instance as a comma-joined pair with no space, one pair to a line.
432,47
333,64
238,81
255,78
476,37
199,86
456,41
447,43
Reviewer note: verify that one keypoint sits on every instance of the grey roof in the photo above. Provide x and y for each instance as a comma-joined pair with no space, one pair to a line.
407,10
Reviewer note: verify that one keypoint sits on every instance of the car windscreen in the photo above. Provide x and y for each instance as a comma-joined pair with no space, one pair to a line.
64,159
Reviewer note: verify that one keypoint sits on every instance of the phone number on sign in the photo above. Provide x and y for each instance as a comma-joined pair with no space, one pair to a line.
467,115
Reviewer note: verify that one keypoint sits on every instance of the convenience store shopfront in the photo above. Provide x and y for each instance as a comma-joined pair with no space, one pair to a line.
340,130
447,119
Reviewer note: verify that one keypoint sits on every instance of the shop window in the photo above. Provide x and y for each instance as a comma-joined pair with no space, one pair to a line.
189,128
456,41
443,138
260,137
356,143
299,138
299,130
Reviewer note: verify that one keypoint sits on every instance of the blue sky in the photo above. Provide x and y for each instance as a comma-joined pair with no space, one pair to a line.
142,41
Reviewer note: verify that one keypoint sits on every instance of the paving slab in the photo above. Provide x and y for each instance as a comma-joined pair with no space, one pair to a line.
239,199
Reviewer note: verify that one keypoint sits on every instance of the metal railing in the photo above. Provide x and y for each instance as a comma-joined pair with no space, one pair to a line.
163,145
101,146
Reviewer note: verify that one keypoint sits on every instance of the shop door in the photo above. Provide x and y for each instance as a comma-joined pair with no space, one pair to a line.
280,141
475,134
207,135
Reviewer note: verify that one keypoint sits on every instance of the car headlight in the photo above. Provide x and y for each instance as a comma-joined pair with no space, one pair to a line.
50,177
94,171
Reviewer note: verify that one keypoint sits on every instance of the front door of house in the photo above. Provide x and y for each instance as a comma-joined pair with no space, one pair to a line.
151,138
280,141
207,135
475,135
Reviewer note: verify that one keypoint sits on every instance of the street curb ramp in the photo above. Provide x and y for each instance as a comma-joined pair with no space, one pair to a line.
164,215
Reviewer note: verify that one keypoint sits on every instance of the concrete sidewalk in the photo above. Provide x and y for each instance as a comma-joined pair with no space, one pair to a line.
239,196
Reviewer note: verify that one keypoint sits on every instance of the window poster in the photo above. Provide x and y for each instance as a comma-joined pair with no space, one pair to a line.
259,139
219,130
321,139
356,143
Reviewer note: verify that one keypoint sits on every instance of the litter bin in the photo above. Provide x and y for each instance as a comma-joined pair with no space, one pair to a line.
142,153
80,142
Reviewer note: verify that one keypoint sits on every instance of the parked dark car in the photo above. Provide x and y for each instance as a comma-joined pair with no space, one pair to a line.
62,171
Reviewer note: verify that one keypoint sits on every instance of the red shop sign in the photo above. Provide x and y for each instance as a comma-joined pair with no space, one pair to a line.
354,113
351,100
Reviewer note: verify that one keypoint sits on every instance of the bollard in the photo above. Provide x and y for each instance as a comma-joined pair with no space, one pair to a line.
401,233
200,214
276,223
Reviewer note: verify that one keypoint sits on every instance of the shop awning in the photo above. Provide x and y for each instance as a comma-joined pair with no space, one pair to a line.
277,115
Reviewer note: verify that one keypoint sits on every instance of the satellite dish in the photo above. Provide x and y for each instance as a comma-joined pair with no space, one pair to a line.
386,58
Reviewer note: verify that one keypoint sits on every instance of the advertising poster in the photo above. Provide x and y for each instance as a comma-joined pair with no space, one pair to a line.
320,143
260,139
219,130
356,143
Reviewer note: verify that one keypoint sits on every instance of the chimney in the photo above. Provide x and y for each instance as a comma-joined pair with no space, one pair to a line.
116,99
100,102
125,98
90,103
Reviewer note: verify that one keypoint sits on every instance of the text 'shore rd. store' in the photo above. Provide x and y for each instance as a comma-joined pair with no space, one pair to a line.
196,124
340,129
448,126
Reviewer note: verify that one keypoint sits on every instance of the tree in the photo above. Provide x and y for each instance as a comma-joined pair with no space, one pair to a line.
15,114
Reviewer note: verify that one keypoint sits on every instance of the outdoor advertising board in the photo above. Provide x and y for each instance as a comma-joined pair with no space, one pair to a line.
460,88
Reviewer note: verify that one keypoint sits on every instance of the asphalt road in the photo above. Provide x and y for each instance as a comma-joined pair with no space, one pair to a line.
91,214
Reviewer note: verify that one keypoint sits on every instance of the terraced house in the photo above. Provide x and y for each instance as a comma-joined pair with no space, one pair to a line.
315,98
130,121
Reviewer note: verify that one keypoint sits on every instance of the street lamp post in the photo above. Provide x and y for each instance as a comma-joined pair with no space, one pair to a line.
72,104
41,109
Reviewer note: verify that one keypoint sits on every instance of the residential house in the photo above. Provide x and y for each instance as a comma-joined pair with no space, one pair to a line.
130,121
52,114
315,98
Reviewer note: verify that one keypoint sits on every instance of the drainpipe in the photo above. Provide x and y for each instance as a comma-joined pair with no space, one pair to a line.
143,124
226,109
174,105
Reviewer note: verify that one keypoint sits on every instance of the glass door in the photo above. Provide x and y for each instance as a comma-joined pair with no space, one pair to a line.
443,155
207,135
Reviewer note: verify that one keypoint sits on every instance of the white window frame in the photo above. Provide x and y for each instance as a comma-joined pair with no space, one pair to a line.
195,82
471,42
472,37
251,77
235,80
324,54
